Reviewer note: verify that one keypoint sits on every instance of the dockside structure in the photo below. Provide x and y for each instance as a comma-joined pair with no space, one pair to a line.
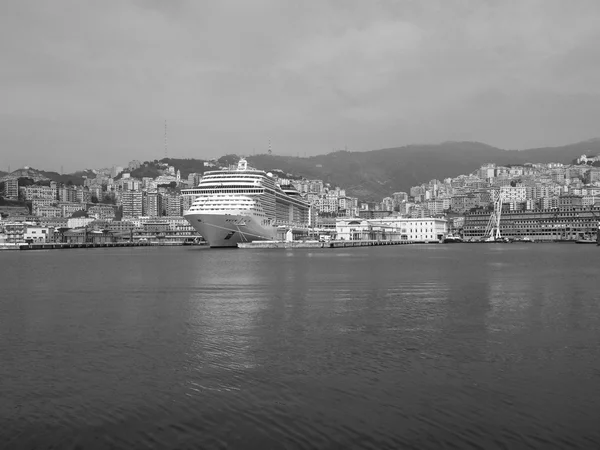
563,223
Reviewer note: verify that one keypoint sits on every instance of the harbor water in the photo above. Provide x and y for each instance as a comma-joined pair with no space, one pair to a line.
425,346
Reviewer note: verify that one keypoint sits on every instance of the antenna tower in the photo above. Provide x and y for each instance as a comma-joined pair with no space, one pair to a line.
166,148
270,151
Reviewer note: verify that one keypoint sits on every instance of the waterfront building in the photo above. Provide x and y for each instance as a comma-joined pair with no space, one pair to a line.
394,228
561,223
38,234
14,232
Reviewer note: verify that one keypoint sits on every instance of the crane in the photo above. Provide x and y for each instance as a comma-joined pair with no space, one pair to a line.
492,229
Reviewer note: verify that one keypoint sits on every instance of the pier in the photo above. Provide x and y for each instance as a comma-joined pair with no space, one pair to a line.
325,244
61,246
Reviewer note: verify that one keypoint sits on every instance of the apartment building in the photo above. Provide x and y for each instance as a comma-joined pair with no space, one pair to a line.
11,188
132,202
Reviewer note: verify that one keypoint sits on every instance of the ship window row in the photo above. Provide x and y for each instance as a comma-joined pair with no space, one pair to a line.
230,191
229,183
221,177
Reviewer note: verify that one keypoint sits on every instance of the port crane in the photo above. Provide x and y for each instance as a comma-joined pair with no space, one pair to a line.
492,229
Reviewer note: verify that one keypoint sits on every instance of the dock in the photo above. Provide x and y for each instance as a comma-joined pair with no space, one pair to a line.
324,244
61,246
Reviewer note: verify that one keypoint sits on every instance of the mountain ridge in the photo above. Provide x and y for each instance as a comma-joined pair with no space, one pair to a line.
373,174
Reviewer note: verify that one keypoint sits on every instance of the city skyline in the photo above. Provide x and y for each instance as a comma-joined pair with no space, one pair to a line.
89,84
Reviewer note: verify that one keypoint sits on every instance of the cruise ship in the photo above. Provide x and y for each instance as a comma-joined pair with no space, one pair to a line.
244,204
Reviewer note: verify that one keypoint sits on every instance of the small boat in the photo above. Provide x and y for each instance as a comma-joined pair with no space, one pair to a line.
524,239
451,239
585,241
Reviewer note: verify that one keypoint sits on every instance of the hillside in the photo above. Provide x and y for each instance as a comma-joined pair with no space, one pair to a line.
76,178
43,176
186,166
563,154
374,174
369,175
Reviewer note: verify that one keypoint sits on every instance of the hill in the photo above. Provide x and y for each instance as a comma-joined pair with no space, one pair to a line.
369,175
564,154
26,172
378,173
153,169
44,176
76,178
186,166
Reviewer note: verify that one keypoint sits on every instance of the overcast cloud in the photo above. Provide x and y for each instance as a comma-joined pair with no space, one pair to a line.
90,83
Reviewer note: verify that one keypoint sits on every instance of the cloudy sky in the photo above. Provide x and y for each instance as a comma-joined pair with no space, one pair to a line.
90,83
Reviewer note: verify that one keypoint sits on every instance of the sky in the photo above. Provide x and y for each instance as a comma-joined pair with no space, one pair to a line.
88,84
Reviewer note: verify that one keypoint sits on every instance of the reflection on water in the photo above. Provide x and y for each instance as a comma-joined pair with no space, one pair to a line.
490,346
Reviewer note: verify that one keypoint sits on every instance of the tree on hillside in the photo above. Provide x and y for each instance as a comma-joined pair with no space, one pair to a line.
80,213
145,171
228,159
25,181
109,199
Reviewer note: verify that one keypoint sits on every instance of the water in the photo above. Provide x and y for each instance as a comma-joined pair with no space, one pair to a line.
456,346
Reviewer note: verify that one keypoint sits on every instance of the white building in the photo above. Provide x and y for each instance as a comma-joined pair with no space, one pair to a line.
423,229
79,222
37,234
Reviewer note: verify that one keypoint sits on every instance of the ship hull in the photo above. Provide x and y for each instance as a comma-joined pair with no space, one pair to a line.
227,230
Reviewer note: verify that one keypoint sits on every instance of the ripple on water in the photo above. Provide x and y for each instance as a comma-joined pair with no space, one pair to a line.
379,348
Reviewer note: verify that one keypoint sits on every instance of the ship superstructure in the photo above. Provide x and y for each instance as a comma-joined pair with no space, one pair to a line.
242,205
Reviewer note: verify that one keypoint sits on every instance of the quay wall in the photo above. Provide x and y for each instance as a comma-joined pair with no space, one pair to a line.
329,244
62,246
